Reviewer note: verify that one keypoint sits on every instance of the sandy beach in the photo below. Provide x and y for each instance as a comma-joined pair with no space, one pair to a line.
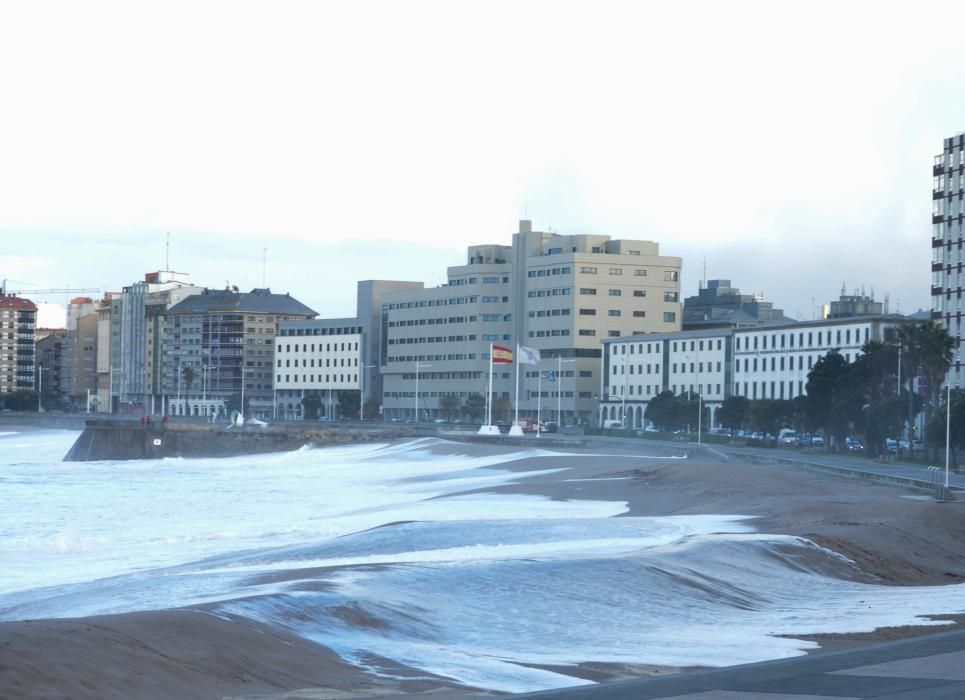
894,537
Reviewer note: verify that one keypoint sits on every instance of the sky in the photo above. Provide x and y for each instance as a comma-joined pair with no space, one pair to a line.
787,145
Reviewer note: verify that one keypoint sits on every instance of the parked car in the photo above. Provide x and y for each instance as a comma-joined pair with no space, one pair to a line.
787,436
853,444
612,425
817,440
891,446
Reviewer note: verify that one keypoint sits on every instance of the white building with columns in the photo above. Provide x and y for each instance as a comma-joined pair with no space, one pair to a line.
762,362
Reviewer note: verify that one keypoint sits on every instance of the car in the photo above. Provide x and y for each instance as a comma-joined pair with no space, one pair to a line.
817,440
612,425
552,426
787,436
891,446
853,444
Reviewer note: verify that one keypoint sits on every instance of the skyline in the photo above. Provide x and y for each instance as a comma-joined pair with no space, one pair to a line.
792,149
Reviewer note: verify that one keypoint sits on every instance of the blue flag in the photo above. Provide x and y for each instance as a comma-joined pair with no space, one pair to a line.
549,376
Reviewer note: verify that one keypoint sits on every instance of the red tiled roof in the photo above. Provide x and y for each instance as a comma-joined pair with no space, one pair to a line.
10,301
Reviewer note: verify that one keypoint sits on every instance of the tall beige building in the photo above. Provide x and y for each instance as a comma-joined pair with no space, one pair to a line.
559,294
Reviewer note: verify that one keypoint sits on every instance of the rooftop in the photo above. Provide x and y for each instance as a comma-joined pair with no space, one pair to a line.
261,301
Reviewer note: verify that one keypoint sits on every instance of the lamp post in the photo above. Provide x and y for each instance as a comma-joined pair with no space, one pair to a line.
244,371
418,365
559,389
40,386
362,390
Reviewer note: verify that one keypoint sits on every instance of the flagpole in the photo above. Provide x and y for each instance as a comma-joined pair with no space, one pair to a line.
489,396
539,398
559,392
518,363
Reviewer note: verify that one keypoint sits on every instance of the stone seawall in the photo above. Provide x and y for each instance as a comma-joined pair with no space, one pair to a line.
113,440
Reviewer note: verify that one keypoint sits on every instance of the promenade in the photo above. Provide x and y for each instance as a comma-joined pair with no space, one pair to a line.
925,668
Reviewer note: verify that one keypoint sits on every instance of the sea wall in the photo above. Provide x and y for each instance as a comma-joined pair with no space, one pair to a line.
111,439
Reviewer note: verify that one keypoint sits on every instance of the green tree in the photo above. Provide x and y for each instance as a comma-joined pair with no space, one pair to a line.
770,415
449,405
311,406
823,408
187,377
475,407
662,411
348,404
501,408
233,403
733,412
372,406
927,350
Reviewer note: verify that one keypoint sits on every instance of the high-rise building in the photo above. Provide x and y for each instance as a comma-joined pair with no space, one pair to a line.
948,232
720,305
18,319
559,294
226,337
137,330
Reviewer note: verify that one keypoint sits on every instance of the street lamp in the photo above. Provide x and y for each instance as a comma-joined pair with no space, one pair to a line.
362,390
40,386
418,365
559,389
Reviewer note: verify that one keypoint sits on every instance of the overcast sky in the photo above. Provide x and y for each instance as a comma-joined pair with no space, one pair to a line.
790,146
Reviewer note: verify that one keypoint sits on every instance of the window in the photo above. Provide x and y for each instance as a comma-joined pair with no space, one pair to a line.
670,275
586,290
615,292
613,312
587,331
639,292
639,314
588,270
639,273
669,317
616,271
613,334
587,312
670,296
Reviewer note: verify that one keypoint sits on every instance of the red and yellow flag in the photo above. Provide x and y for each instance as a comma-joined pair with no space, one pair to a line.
502,355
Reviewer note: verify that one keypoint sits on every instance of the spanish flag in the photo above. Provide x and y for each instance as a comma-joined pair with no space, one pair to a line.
502,355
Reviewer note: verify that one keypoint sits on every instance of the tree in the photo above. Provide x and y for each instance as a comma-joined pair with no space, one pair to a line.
733,412
823,409
449,405
475,407
348,403
311,406
233,403
662,411
188,376
501,406
770,415
372,406
927,348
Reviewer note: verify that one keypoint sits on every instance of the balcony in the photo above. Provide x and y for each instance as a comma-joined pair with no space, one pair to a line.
937,266
937,218
937,291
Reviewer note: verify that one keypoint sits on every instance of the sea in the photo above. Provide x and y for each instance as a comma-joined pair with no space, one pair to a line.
404,551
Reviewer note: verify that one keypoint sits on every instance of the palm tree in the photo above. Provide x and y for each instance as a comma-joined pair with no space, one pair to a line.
926,347
187,376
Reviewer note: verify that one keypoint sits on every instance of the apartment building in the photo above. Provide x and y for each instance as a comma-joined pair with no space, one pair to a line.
137,338
18,320
322,357
227,338
767,362
948,234
559,294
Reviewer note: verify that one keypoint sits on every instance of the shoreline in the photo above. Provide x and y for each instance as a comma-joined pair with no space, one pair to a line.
894,537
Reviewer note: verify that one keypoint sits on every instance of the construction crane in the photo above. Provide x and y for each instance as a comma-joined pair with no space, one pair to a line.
31,292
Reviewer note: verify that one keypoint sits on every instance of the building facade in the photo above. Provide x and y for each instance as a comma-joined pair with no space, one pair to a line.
323,358
18,320
769,362
559,294
227,338
137,330
948,234
721,305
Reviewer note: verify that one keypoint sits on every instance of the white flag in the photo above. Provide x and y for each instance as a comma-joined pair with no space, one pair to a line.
528,356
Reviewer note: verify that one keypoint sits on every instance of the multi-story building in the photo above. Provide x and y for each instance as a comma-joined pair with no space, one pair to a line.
559,294
322,357
137,330
226,337
50,363
103,402
948,234
719,305
18,320
769,362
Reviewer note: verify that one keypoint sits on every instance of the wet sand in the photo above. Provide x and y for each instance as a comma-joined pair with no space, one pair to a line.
895,536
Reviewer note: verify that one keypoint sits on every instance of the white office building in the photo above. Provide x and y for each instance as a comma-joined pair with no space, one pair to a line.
948,233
